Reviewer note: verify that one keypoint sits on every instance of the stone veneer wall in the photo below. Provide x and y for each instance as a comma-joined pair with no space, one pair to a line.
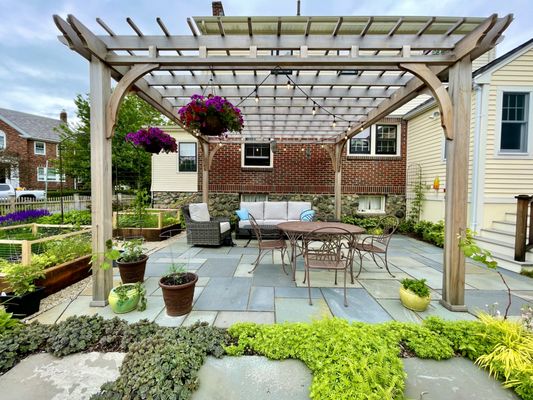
225,204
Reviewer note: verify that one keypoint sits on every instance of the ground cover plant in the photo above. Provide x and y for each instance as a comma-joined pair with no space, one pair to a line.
348,360
74,217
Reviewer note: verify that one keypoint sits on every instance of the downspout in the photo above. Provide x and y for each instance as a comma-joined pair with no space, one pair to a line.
477,160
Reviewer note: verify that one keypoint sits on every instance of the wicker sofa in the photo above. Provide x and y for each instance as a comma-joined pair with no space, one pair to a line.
202,229
269,213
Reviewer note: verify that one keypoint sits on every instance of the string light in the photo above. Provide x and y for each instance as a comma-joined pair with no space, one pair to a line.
288,84
334,122
314,110
256,94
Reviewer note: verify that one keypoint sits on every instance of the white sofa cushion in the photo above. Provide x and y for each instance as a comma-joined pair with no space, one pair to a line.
295,208
275,210
224,227
254,208
199,212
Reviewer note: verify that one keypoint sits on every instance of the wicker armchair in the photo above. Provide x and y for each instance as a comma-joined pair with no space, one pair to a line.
206,233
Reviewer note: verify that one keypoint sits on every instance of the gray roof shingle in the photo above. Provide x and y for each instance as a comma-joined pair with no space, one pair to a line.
32,126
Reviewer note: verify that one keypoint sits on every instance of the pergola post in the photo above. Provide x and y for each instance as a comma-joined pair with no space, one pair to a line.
101,196
205,171
337,166
460,79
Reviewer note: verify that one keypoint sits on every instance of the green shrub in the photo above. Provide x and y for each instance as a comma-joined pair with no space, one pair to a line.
417,286
368,223
425,230
75,217
20,278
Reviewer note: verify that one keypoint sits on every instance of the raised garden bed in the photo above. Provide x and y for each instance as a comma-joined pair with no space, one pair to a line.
63,275
149,234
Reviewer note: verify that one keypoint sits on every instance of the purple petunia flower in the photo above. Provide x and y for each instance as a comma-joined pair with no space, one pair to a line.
153,140
19,217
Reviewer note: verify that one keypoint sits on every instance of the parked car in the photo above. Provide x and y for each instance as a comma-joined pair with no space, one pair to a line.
7,190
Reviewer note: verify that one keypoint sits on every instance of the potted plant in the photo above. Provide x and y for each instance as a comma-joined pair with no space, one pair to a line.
414,294
23,297
132,262
127,297
153,140
211,115
178,290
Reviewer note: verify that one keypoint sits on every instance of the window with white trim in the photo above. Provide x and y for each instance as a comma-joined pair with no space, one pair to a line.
371,204
253,197
377,140
187,157
3,143
256,155
53,175
39,148
514,123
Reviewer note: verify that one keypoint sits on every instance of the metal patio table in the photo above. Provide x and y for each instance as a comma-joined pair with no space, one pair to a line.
295,230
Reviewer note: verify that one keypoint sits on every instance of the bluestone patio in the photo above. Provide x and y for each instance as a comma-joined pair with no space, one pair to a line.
226,293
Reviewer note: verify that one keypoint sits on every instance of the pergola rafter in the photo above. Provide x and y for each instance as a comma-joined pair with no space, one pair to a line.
353,70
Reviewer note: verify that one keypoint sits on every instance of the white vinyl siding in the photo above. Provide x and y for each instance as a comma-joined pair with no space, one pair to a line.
165,170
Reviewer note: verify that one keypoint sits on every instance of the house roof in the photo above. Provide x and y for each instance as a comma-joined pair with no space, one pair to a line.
487,67
31,126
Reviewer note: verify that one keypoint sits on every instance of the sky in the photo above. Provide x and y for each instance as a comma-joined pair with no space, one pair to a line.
39,75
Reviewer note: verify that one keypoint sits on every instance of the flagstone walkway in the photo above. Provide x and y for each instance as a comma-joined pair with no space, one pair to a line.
226,293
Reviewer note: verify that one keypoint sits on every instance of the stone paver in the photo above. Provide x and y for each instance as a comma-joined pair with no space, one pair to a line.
361,306
227,318
261,299
297,292
200,316
456,378
382,289
45,377
478,300
225,294
398,312
299,310
253,377
325,279
435,308
219,267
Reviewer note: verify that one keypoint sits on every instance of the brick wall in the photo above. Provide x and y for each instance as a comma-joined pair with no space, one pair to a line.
23,150
294,172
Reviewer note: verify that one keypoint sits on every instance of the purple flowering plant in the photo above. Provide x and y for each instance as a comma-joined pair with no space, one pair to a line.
196,113
20,217
153,140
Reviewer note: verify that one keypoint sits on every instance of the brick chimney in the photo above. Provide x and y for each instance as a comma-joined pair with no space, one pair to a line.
63,116
218,9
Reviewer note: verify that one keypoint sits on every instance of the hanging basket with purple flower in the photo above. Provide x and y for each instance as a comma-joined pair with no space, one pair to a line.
211,115
153,140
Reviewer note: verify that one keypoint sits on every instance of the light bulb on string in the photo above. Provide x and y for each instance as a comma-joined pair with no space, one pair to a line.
314,110
334,122
256,95
288,84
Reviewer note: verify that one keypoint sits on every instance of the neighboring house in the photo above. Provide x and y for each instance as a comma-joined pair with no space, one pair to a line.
373,172
501,150
27,143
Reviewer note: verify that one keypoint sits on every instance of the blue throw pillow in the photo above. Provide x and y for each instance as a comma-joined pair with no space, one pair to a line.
242,214
307,215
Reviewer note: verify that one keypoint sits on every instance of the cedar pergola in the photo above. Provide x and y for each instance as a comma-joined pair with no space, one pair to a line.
353,70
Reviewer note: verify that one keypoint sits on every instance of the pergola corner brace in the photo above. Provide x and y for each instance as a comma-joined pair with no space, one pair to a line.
439,92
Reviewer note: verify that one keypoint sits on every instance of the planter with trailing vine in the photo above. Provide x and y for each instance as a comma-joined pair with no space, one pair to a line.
414,294
178,292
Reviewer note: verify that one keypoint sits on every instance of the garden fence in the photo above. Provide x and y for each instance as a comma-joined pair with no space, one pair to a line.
53,205
19,242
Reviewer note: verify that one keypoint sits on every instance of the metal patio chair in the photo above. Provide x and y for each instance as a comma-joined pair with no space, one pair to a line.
266,245
323,249
377,245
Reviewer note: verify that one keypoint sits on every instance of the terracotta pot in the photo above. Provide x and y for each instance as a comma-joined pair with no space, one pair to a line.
129,305
413,301
178,298
213,126
132,272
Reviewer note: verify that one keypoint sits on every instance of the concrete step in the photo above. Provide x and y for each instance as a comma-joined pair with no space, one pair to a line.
502,248
510,264
504,226
497,234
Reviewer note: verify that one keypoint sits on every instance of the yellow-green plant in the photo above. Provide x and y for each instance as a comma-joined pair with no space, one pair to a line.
512,356
21,278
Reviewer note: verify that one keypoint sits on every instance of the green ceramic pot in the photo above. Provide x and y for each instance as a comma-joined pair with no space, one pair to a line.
121,307
412,301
